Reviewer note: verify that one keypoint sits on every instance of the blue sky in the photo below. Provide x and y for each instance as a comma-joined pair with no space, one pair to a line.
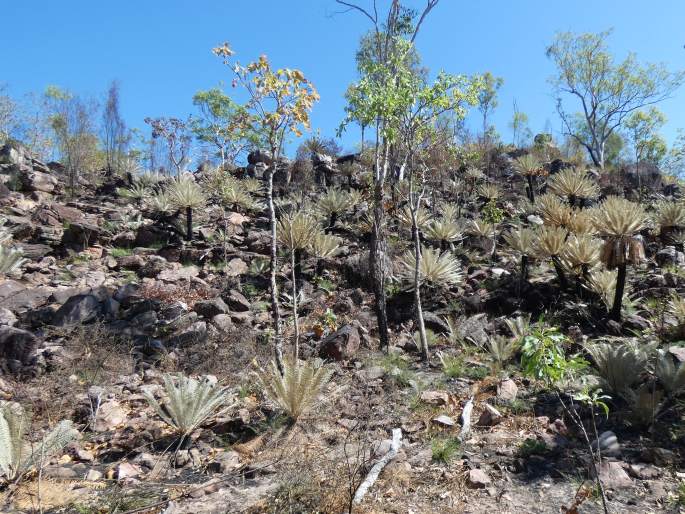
160,51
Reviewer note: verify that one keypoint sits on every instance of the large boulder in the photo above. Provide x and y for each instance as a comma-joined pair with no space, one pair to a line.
340,345
80,308
16,348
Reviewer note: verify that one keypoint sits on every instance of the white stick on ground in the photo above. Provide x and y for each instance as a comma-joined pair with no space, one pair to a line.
466,420
378,466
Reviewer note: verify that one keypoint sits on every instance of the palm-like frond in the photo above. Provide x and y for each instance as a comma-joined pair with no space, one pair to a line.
480,228
528,165
234,196
670,215
449,211
189,402
137,191
617,217
676,306
551,241
554,212
581,223
572,184
296,231
5,234
185,193
522,240
604,284
582,252
334,201
160,203
435,268
324,245
672,377
445,230
297,390
10,259
474,174
489,191
501,350
619,365
422,218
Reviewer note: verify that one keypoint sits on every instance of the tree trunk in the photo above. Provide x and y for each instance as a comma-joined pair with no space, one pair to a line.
560,272
296,351
298,264
275,314
189,224
618,296
331,222
531,191
417,293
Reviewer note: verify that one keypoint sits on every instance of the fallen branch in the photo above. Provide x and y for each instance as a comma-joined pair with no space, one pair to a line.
378,467
466,420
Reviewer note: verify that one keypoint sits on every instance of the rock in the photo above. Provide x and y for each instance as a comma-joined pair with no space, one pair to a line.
132,262
507,391
608,444
177,274
7,317
678,352
80,308
128,470
644,471
473,329
435,397
225,462
223,322
93,475
236,301
110,415
658,456
435,323
16,347
210,308
489,417
372,373
340,345
195,333
236,267
669,256
38,181
613,475
444,420
478,479
533,219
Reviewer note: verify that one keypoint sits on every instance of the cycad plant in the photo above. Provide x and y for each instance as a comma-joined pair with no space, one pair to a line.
10,259
551,243
160,204
445,231
530,167
323,246
332,204
236,198
435,269
185,193
619,365
489,192
298,388
574,185
189,403
619,221
581,254
604,284
554,211
18,456
670,216
137,191
501,350
524,242
672,377
422,218
580,222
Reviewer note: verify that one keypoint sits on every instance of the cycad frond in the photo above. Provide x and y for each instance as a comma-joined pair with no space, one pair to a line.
528,165
474,174
334,201
488,191
296,231
185,193
604,284
449,211
582,252
670,215
324,245
10,259
617,217
160,203
298,388
137,191
554,212
672,377
551,241
573,184
435,268
501,350
189,402
480,228
618,365
422,218
522,240
444,230
581,223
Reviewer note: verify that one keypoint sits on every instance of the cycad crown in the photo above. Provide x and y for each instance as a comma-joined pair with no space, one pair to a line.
334,201
618,217
551,241
618,365
444,230
435,268
296,231
528,165
573,184
324,245
522,240
185,193
670,215
582,251
554,211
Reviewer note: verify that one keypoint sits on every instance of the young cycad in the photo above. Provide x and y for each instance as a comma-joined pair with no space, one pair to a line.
445,231
530,167
449,211
581,254
297,390
489,192
619,365
422,218
10,258
435,269
672,377
186,194
323,246
580,222
334,203
551,243
524,242
189,403
554,212
619,221
604,284
480,228
670,216
159,204
574,185
137,192
18,456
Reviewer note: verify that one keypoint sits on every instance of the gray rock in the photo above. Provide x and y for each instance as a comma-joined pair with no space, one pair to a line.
7,317
210,308
613,475
340,345
16,347
195,333
236,301
669,256
81,308
223,322
478,479
507,391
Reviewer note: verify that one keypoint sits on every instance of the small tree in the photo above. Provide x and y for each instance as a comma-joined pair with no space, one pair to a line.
9,121
608,92
115,136
186,194
176,134
642,127
279,103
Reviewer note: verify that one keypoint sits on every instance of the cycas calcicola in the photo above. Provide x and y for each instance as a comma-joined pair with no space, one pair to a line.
189,403
501,350
422,218
620,365
449,211
159,203
524,242
581,254
18,456
323,246
574,185
251,185
10,259
445,231
332,204
530,167
581,223
436,269
474,174
236,198
480,228
670,216
551,243
553,210
186,194
619,221
672,377
138,192
604,284
298,388
489,192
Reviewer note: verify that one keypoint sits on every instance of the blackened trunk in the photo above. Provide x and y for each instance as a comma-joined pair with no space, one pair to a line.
560,272
377,267
530,191
189,223
618,296
298,264
331,222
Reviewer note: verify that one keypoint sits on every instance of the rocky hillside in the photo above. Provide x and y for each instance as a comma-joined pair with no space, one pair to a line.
121,293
